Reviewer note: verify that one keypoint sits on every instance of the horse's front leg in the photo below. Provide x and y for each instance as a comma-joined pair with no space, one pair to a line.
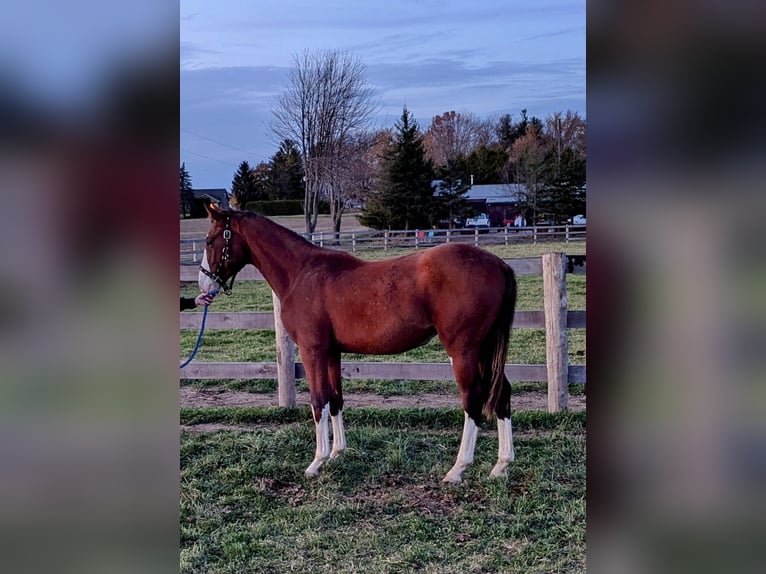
464,366
315,361
323,440
336,405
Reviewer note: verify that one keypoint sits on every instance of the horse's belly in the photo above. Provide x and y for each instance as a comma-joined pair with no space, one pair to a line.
382,341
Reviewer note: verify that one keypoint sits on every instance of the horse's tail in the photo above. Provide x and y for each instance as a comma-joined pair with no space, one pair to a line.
495,347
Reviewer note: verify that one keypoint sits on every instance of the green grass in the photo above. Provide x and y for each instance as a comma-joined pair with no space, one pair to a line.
246,506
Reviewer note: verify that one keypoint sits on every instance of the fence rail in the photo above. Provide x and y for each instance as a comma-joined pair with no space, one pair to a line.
555,319
191,249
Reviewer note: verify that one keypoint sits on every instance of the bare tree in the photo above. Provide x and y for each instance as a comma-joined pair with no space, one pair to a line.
527,158
453,135
327,101
565,131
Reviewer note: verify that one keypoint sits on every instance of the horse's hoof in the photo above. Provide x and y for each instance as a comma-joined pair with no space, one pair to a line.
499,473
336,453
452,479
311,472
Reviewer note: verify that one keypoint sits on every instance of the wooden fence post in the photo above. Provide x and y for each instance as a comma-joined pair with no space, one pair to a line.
448,234
556,344
476,236
385,240
353,242
194,251
285,358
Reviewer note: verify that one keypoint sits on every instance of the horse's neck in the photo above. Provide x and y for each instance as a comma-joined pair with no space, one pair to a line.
277,252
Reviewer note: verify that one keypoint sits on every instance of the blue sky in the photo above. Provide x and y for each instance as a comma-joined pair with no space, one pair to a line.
488,57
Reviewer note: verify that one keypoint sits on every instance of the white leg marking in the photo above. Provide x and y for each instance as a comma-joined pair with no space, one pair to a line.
465,454
206,284
323,443
338,435
505,453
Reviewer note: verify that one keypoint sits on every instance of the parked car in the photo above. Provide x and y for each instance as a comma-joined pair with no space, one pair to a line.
480,220
578,220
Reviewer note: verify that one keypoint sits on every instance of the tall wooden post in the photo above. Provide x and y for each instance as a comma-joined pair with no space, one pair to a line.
556,344
285,358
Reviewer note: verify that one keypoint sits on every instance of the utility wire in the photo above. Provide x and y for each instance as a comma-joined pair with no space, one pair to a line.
217,142
205,156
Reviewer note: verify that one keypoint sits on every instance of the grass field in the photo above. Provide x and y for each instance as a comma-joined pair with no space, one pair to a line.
247,507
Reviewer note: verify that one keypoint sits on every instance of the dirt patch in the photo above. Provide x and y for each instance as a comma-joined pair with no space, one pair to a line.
207,397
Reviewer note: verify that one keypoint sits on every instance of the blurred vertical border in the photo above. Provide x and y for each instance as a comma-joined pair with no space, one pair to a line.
88,320
676,284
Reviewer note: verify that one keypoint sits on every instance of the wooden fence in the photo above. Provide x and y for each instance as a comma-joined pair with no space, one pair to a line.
191,249
555,318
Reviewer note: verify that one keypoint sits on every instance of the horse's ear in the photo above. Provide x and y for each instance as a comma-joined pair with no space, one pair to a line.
212,211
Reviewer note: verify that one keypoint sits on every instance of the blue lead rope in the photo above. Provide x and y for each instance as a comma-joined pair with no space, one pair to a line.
199,340
199,337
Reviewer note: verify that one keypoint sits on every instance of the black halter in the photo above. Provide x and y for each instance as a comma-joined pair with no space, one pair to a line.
225,256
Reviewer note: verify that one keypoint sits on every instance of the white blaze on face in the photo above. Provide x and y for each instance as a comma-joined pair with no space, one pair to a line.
206,284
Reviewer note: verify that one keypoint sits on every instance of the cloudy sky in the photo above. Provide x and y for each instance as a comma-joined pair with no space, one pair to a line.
488,57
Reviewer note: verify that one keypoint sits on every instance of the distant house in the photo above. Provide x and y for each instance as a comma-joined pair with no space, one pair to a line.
203,196
501,201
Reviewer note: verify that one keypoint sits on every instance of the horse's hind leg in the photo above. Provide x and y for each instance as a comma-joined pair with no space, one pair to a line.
505,453
466,373
336,406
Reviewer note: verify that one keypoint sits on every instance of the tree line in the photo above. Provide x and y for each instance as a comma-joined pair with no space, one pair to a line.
329,151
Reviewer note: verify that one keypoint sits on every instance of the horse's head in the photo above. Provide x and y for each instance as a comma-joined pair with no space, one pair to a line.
225,253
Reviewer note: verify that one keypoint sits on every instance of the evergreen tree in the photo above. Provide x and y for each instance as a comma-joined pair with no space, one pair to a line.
262,185
563,192
187,196
486,164
406,199
450,194
243,188
286,172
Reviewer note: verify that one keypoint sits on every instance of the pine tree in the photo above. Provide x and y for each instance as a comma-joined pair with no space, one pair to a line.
243,188
286,172
562,194
187,196
406,199
450,194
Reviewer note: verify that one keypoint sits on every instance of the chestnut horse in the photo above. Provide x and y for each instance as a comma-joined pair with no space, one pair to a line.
333,303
